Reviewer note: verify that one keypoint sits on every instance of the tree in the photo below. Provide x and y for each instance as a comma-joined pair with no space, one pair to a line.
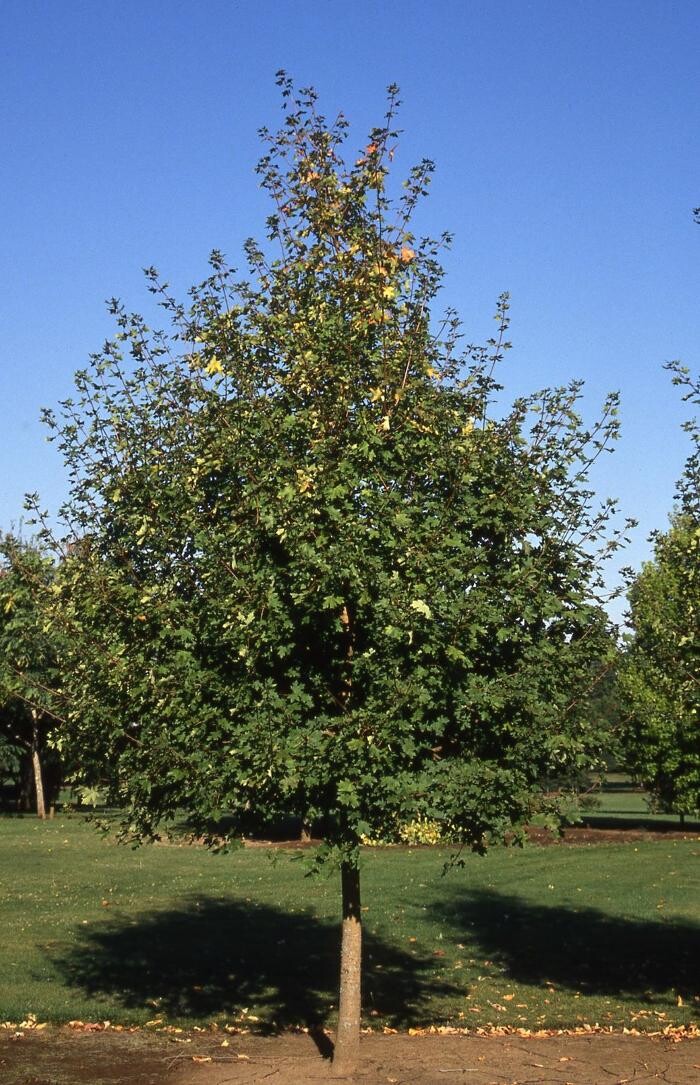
28,665
11,753
660,679
603,708
313,570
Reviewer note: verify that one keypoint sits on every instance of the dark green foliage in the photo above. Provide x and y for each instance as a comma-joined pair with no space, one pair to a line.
29,681
314,571
11,750
660,680
604,711
661,672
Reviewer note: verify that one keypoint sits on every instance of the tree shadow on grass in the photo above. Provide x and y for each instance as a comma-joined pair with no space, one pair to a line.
579,948
640,822
212,958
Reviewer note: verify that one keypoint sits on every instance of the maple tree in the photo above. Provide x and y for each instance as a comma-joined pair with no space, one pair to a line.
314,569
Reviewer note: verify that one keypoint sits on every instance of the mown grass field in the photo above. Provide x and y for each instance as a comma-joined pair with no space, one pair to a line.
539,937
621,804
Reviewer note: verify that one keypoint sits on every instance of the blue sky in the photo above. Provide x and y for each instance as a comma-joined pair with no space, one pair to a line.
568,164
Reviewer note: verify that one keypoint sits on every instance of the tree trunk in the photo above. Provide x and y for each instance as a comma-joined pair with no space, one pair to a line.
36,766
347,1041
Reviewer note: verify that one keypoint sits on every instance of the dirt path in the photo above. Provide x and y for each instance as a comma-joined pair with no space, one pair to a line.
65,1057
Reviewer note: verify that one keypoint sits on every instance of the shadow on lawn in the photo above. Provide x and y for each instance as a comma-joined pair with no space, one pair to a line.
210,958
641,822
577,947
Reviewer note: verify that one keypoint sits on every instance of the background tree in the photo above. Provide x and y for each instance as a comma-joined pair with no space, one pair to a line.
314,571
11,758
604,712
28,672
660,679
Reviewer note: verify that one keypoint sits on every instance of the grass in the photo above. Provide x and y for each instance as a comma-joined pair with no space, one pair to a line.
621,804
540,937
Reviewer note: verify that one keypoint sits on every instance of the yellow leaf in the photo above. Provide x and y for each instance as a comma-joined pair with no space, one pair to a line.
407,255
304,482
385,423
214,367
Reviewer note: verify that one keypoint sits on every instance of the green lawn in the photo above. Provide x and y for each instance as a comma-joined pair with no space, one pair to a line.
621,804
540,937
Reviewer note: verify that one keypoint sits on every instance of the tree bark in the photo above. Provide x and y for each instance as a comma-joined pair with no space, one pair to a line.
36,766
347,1042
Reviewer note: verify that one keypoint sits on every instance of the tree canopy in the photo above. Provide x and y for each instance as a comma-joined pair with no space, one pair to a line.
660,679
314,567
29,679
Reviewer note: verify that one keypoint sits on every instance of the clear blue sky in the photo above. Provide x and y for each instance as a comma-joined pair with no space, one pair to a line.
565,134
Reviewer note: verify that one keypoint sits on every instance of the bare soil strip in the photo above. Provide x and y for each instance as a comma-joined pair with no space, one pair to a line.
60,1056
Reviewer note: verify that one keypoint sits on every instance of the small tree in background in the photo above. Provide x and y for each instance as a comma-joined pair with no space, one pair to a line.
314,571
29,680
11,754
660,678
